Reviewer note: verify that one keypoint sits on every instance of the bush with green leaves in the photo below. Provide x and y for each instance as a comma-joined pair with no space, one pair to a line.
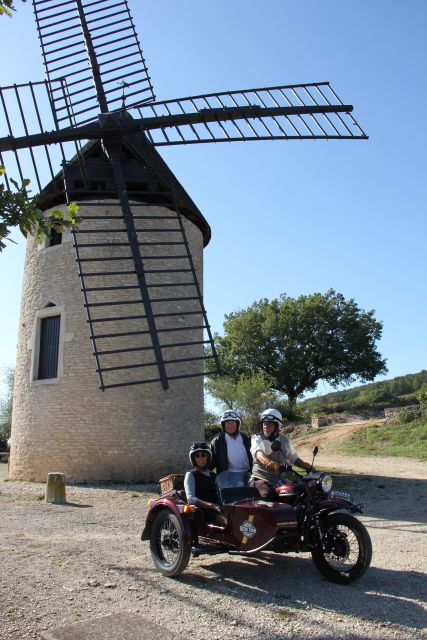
409,414
422,398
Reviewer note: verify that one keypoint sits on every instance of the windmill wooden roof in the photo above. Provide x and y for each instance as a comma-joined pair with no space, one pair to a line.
148,178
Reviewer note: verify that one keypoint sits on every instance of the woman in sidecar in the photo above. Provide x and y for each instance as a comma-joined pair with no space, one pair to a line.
199,484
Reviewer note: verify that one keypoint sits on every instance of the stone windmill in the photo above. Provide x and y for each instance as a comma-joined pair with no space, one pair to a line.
109,376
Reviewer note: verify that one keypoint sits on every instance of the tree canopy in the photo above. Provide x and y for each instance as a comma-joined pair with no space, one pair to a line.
296,342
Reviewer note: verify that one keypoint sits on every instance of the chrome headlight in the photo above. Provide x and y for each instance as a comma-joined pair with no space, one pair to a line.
326,483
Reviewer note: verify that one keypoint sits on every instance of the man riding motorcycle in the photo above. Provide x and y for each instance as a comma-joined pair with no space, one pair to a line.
270,460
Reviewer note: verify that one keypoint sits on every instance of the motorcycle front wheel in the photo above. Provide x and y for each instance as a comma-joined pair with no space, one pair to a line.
169,551
347,549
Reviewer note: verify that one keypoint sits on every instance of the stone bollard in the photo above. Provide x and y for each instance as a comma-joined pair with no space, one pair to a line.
55,489
315,424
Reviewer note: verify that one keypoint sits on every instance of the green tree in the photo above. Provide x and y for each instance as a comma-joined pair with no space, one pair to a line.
248,394
6,408
377,395
296,342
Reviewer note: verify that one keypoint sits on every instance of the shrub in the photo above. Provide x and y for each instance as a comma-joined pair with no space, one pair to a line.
408,414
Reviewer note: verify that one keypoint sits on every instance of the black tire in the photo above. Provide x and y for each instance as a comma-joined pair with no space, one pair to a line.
169,551
348,549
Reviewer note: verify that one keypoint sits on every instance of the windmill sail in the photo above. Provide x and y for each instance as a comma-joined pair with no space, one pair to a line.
289,112
140,283
98,89
90,43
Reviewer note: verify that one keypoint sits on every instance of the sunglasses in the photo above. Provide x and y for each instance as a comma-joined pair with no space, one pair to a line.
200,455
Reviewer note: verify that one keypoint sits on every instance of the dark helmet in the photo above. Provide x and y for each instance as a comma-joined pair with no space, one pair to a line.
199,447
230,414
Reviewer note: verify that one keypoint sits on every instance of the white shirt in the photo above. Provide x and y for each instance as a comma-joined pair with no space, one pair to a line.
237,455
287,453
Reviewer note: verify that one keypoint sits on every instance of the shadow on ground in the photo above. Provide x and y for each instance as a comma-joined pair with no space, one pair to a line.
403,499
380,596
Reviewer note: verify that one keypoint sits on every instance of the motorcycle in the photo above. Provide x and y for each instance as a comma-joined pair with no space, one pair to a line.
306,517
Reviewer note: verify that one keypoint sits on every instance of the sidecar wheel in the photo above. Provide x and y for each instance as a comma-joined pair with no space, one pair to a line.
348,549
169,551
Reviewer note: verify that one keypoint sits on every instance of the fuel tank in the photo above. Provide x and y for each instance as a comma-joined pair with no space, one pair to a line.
289,491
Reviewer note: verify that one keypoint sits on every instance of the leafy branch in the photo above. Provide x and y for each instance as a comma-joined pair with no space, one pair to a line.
6,7
19,209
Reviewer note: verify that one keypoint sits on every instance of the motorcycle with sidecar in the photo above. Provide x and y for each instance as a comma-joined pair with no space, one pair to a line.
307,516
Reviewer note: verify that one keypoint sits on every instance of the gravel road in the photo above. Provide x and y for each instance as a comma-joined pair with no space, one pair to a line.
71,563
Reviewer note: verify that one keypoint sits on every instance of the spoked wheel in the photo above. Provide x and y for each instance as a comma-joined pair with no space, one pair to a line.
169,551
348,549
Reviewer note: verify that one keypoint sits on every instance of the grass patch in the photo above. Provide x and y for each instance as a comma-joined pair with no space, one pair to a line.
390,439
285,614
135,494
40,497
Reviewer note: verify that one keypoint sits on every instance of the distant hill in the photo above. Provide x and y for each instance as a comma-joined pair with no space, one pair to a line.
396,392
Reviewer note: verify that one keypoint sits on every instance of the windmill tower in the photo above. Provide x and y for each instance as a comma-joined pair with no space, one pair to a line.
113,328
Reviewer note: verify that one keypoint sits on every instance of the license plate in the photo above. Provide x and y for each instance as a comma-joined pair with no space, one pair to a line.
341,494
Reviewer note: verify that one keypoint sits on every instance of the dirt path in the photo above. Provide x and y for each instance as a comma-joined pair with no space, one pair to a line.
67,564
328,438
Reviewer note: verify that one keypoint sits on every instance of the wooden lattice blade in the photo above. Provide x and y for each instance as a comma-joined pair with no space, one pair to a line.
94,45
142,296
198,119
25,109
311,111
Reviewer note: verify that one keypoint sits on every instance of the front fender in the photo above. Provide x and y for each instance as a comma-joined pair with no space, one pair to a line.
337,503
185,520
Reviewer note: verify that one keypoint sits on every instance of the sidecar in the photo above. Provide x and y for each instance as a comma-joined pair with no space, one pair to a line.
176,530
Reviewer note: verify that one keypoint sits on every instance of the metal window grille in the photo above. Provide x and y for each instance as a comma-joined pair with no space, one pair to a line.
49,347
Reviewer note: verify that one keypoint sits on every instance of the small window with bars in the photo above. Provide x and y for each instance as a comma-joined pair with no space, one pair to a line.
49,347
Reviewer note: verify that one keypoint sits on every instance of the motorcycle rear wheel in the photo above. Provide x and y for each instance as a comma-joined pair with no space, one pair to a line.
348,549
169,551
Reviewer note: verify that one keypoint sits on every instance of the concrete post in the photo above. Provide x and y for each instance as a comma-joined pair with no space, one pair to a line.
55,489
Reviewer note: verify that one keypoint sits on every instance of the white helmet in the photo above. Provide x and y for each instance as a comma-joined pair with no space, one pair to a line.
272,415
230,414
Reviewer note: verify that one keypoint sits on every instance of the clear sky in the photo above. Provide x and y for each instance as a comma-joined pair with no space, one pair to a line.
292,217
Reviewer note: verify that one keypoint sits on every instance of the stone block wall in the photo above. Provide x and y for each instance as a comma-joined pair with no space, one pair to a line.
136,433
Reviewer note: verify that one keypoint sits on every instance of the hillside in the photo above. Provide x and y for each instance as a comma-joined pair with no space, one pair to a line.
332,457
397,392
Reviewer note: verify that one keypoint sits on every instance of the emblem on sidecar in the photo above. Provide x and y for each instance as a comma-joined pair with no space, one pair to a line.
248,529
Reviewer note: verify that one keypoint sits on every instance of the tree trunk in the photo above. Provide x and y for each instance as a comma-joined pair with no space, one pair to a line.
292,399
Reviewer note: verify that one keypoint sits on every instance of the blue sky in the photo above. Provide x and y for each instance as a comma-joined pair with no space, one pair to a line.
292,217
